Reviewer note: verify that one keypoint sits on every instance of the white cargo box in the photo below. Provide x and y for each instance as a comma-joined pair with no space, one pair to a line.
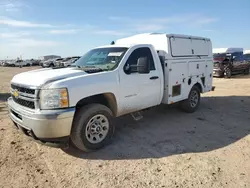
174,45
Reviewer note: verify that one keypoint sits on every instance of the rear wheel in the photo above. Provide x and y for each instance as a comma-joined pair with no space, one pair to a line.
51,65
192,103
92,127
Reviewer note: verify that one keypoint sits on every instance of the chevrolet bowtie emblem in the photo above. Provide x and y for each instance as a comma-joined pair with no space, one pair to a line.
15,93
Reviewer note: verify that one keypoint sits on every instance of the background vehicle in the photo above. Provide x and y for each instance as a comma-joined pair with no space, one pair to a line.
35,62
48,57
79,103
9,63
229,61
49,63
68,61
21,63
247,55
57,61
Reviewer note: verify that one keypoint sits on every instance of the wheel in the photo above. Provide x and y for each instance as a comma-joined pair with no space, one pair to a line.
228,73
51,65
28,65
192,103
92,127
247,71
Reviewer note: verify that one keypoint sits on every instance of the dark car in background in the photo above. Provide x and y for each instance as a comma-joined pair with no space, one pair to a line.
229,61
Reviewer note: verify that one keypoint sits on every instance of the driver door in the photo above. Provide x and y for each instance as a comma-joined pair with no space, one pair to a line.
139,91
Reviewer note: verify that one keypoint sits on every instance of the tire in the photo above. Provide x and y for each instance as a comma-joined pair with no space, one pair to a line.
228,73
192,103
86,135
51,65
246,72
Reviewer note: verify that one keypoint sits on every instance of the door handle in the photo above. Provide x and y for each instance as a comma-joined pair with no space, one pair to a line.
154,77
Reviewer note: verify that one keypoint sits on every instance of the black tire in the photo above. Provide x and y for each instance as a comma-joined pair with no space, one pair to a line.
79,127
188,104
246,72
221,75
228,73
51,65
28,65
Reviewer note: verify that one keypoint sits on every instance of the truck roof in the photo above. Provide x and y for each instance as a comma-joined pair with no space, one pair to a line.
227,50
143,35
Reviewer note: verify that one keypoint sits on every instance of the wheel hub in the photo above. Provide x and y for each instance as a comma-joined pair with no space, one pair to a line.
194,99
97,129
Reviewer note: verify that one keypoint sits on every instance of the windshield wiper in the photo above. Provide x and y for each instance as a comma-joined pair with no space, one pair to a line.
90,69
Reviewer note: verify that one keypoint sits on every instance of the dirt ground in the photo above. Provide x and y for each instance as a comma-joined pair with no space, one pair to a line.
168,148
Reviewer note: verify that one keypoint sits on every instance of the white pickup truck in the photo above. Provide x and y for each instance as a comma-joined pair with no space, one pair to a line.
78,103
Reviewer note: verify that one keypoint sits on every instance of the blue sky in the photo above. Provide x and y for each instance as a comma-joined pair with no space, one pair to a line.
33,28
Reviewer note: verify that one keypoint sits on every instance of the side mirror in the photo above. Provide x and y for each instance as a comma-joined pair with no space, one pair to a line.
143,65
234,57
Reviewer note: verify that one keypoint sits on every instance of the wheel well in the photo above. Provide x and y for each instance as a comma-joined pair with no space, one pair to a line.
199,86
107,99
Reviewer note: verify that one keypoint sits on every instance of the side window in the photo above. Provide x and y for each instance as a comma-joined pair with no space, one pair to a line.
136,54
239,56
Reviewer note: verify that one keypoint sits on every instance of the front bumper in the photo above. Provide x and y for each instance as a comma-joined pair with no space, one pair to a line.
218,72
43,125
45,65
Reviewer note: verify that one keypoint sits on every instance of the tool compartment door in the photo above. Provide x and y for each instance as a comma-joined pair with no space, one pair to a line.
197,68
177,78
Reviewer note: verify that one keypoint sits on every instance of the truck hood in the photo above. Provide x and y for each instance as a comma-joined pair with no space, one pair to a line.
40,77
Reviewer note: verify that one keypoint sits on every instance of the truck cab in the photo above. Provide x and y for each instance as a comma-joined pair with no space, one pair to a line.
79,102
229,61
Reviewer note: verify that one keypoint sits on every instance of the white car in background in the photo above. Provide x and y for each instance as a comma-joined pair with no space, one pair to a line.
68,61
48,63
21,63
9,63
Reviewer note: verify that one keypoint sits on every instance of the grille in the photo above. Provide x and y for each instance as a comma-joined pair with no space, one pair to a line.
28,104
26,96
22,89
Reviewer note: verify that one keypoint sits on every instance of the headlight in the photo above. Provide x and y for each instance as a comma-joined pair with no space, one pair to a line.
54,98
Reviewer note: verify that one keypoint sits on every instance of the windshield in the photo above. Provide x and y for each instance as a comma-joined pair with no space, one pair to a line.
101,58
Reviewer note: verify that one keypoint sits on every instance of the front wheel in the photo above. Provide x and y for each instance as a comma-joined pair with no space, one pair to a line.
192,103
246,72
92,127
228,73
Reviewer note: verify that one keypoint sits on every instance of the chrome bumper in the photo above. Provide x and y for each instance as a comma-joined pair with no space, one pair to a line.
218,72
42,124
